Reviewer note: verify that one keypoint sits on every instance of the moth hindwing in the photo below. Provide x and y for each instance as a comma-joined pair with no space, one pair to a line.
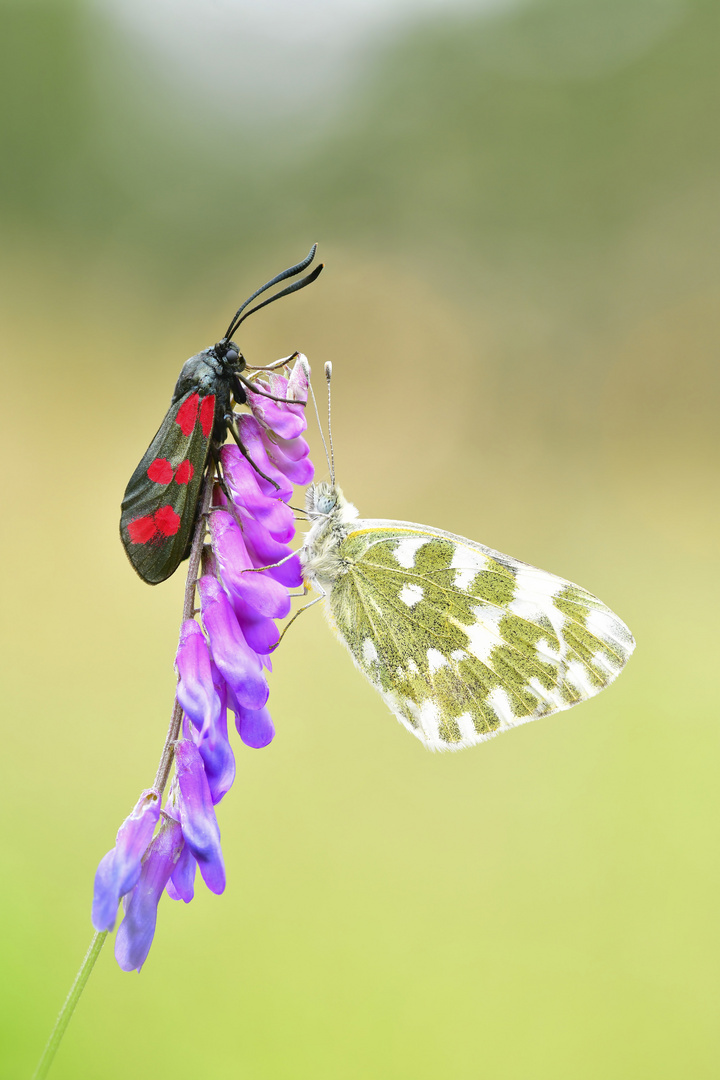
160,504
461,641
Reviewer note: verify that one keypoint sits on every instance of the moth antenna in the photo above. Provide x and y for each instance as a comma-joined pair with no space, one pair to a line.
291,271
328,377
322,433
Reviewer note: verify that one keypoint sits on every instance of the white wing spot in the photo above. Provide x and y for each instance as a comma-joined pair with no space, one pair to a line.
553,697
412,667
429,717
546,652
537,582
578,677
467,728
407,549
484,635
411,594
467,563
500,704
457,655
436,660
602,660
370,653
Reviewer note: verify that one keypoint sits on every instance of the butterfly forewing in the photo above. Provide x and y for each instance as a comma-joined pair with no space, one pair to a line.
158,507
462,641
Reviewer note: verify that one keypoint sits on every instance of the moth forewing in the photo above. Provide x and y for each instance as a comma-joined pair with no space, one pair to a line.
157,516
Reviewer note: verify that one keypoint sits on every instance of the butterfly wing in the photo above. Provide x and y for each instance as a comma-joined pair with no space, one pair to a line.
158,508
463,642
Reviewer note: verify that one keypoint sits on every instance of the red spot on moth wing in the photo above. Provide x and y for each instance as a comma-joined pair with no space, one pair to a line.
141,530
160,471
187,414
185,472
207,414
167,521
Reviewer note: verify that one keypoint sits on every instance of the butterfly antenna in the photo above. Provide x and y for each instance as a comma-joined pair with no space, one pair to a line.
322,433
238,317
328,376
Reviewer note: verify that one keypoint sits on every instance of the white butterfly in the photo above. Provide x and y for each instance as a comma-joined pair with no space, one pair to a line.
461,641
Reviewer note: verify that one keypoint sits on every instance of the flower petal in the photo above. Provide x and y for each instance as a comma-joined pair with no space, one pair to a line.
261,592
181,885
275,415
215,750
260,632
265,551
196,691
246,489
254,726
197,815
136,931
119,870
237,663
251,435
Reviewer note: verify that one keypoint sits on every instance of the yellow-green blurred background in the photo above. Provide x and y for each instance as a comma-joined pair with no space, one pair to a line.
518,207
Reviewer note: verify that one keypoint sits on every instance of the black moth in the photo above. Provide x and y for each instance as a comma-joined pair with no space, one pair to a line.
159,507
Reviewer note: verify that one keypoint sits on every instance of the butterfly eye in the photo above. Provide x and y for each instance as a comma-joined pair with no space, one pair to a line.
326,503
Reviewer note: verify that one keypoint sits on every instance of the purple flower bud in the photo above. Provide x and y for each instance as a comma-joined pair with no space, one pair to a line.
265,551
266,595
254,726
119,870
197,815
181,885
244,484
196,691
136,932
297,385
237,663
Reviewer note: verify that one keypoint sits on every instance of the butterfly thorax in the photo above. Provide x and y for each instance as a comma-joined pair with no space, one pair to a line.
330,514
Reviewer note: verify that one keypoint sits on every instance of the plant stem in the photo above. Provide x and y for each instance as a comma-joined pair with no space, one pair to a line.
69,1007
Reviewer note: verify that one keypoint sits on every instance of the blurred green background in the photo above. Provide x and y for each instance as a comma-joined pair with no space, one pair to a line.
518,207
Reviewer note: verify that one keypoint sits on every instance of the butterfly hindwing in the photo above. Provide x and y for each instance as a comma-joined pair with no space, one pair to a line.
462,641
158,509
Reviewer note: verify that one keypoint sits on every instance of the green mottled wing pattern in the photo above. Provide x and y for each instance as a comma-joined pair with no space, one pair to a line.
463,642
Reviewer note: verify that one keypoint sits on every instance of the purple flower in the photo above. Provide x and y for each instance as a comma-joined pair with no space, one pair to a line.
136,931
119,870
197,815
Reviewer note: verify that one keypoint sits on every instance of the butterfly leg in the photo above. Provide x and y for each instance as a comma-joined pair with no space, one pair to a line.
312,603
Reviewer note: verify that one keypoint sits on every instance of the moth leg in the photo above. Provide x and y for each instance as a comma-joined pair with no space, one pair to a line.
264,393
233,429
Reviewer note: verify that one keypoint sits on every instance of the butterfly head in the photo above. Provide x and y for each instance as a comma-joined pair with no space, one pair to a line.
325,501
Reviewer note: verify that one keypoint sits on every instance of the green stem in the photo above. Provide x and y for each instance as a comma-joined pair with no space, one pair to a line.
69,1007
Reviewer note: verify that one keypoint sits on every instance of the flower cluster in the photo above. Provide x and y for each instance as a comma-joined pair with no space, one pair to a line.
222,661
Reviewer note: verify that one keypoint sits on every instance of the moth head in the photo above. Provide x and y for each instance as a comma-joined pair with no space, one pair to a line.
229,356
